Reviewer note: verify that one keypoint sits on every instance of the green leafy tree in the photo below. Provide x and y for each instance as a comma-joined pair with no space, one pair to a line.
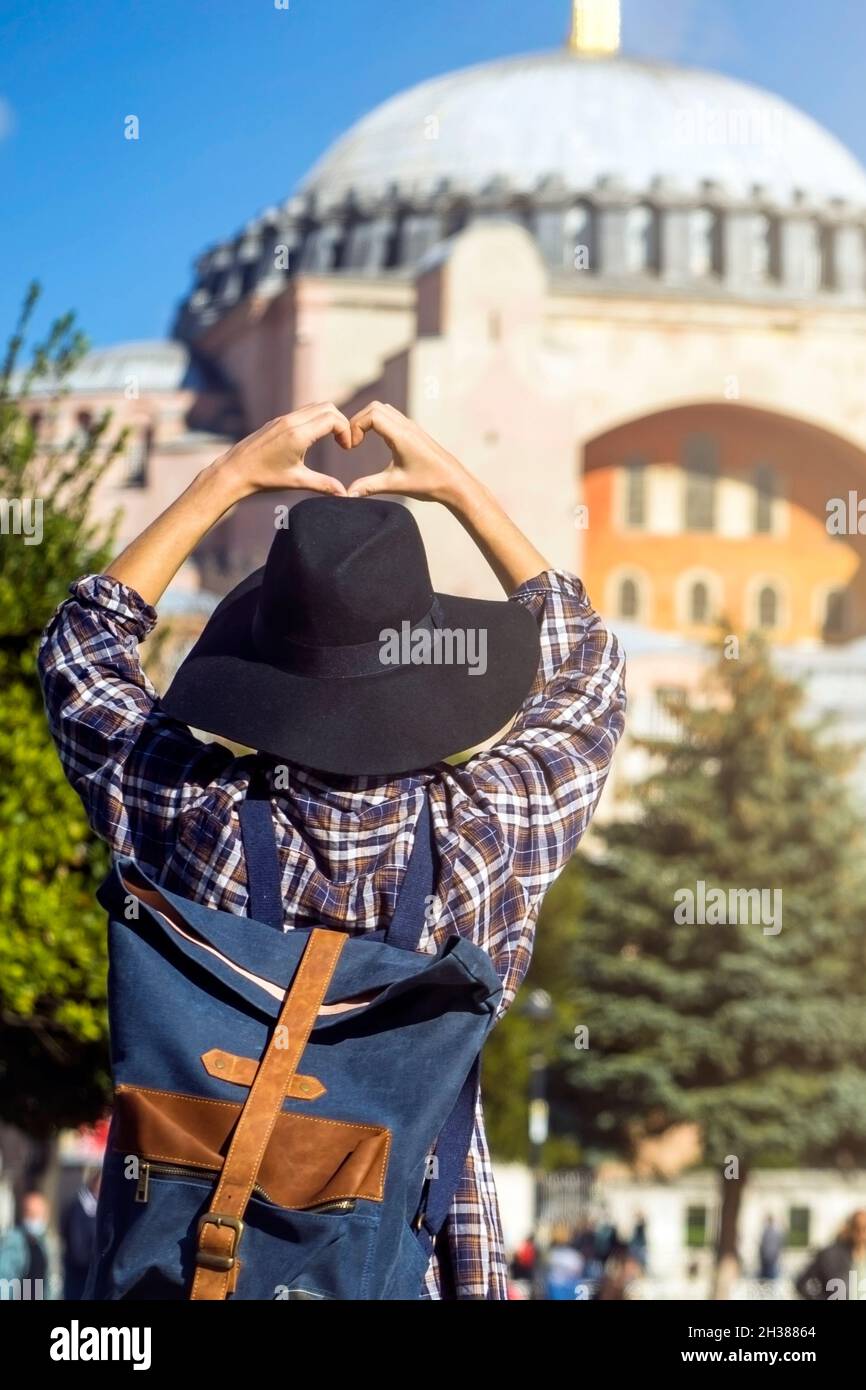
53,1032
754,1030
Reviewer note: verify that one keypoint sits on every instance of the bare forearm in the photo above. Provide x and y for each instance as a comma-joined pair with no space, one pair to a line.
512,557
151,561
271,459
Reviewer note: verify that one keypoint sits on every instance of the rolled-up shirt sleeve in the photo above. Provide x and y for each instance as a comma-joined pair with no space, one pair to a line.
544,779
133,768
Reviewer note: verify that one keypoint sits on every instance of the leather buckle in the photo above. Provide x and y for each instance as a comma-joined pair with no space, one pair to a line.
219,1262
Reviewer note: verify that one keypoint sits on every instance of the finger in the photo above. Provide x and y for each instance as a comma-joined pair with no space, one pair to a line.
314,408
319,482
300,420
377,418
296,420
340,425
330,420
386,481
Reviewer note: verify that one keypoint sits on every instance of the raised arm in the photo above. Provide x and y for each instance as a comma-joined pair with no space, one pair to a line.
541,781
102,709
272,458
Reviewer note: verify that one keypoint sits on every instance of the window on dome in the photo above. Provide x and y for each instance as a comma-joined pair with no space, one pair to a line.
813,257
763,252
629,598
835,624
768,608
704,243
578,230
699,602
701,463
641,239
829,268
765,493
417,233
356,252
635,510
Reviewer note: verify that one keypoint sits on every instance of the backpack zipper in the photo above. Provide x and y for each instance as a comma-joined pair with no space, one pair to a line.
147,1168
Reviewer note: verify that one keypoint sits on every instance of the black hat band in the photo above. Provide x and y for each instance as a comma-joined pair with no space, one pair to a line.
341,663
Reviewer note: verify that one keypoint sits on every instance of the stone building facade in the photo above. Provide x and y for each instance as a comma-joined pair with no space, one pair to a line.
630,295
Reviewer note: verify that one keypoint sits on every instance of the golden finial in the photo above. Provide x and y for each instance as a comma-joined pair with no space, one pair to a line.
595,26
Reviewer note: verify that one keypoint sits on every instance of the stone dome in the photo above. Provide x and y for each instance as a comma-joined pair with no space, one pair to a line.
624,172
566,116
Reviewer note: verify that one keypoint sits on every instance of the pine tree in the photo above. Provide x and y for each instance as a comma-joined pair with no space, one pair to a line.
53,1035
753,1029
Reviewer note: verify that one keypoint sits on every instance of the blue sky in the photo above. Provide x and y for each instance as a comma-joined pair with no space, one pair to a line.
236,99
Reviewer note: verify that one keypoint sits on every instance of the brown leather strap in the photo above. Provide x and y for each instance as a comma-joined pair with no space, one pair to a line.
221,1227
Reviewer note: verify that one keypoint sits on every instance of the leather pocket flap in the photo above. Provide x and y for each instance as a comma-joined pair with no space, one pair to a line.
309,1160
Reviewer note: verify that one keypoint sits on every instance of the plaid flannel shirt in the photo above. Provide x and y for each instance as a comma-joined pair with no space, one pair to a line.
505,822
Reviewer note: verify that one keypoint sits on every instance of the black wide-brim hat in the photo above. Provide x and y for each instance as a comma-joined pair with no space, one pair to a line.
339,656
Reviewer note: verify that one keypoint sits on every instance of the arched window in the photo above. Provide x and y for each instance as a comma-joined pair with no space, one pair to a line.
701,463
699,602
138,457
813,257
829,258
768,608
578,230
698,597
835,615
635,493
81,435
641,239
629,598
765,492
704,243
762,250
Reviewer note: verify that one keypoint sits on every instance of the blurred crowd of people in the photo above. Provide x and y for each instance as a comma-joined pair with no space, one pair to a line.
594,1261
590,1261
32,1264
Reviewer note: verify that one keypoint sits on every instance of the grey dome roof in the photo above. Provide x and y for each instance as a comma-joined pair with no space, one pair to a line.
675,178
561,114
154,365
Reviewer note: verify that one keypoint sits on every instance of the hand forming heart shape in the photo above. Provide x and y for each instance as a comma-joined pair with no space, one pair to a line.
274,456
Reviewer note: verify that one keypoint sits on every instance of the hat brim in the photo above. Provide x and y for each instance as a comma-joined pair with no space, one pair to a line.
401,719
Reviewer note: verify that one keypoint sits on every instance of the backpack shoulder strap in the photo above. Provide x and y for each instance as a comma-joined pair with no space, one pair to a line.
258,836
450,1154
452,1145
419,884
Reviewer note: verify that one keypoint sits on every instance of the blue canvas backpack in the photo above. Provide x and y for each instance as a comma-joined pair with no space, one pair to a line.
293,1108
